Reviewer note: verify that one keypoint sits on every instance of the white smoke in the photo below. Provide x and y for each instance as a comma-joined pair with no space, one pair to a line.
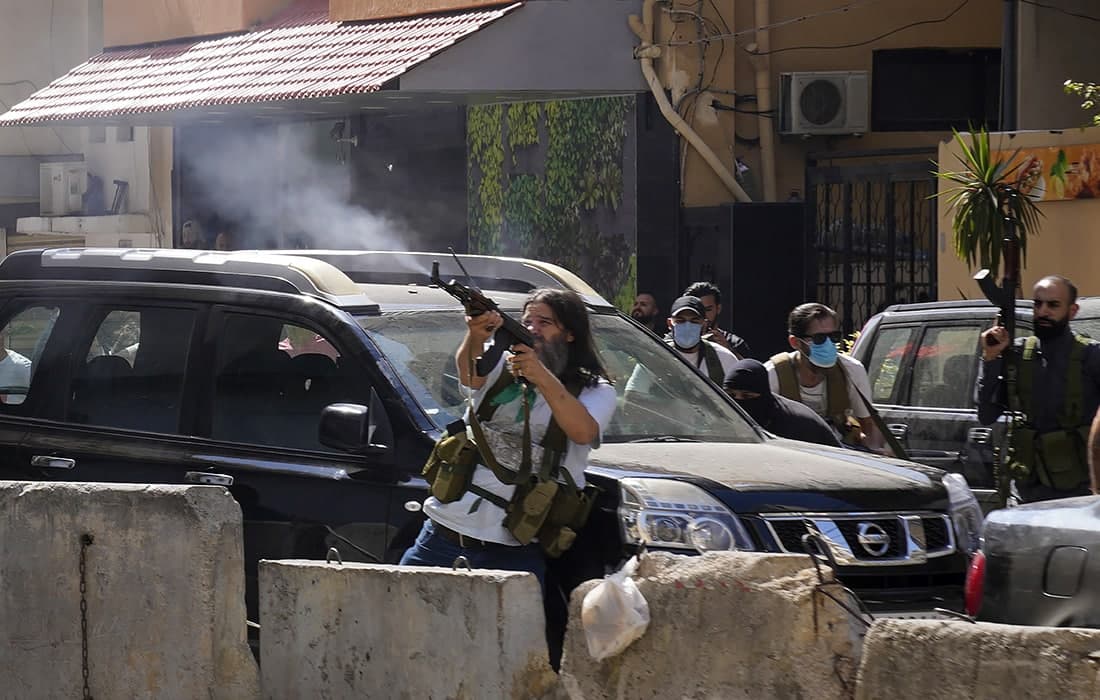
286,186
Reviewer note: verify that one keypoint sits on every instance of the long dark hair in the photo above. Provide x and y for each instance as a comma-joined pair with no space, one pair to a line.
584,363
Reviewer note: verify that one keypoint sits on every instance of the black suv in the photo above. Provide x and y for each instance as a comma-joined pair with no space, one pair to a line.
922,360
162,366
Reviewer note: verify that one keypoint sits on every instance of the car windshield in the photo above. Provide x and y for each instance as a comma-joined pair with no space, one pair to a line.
660,397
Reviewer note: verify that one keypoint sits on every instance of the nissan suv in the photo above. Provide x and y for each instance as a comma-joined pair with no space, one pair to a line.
313,385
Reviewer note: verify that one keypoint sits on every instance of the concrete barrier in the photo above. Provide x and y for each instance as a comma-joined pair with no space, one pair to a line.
164,592
724,625
939,660
370,631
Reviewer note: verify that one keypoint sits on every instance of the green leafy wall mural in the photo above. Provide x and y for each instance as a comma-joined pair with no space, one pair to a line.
546,181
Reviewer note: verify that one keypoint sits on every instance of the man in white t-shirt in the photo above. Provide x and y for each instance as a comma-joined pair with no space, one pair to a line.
815,373
689,316
686,338
564,355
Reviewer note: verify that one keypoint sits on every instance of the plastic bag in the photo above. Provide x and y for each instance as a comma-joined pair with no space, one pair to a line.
614,613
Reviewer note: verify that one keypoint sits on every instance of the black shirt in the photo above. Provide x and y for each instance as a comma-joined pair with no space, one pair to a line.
735,343
1048,383
796,421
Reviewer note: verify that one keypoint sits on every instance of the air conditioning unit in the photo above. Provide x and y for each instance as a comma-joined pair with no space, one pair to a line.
823,102
61,188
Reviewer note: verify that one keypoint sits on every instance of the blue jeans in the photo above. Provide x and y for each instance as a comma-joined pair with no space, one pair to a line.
431,549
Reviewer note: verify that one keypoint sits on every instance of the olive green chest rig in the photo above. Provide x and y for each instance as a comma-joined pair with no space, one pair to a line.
838,405
1056,458
540,506
710,358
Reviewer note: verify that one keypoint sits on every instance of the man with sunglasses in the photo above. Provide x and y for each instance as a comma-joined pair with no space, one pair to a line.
835,386
1054,396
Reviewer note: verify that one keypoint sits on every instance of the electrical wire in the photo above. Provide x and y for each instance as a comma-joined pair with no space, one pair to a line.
22,135
782,23
872,40
1064,11
754,112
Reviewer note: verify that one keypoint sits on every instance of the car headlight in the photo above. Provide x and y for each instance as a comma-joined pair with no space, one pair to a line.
669,514
966,514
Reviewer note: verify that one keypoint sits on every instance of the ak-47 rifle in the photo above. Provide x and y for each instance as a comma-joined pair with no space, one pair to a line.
510,332
1004,297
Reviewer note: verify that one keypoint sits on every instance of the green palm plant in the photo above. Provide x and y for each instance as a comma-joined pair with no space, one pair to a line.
989,194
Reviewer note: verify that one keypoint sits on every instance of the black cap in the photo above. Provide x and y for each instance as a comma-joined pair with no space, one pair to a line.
693,303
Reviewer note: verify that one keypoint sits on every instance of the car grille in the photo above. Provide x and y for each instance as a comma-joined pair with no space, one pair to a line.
867,539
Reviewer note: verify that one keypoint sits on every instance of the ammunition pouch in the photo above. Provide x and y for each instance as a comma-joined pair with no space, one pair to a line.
529,508
1056,459
568,514
450,466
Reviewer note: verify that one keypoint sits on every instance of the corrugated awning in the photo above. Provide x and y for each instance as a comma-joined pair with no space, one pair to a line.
298,56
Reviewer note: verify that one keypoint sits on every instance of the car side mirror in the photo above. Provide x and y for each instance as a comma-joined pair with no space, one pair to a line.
352,427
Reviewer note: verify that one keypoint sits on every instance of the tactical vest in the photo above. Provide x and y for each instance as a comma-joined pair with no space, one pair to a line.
838,405
709,355
1057,458
540,506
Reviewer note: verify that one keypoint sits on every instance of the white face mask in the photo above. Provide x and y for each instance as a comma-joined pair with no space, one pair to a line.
687,334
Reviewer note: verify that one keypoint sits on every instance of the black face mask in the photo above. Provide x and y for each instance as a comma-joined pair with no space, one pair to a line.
762,408
1050,329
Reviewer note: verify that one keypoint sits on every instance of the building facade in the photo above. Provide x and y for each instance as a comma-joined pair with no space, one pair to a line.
776,146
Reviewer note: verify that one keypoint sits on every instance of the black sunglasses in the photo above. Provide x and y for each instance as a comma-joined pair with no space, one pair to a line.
820,338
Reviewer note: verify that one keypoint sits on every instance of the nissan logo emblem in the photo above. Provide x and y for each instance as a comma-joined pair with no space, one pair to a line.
873,539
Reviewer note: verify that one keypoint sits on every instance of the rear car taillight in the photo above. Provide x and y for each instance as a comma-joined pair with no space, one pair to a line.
975,584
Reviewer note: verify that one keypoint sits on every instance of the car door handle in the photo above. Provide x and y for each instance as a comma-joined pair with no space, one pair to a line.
48,462
900,430
980,436
208,478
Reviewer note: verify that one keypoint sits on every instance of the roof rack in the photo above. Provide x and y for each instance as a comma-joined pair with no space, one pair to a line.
489,273
245,269
953,304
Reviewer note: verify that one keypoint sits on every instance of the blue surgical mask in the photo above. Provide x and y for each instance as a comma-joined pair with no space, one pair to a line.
823,354
686,335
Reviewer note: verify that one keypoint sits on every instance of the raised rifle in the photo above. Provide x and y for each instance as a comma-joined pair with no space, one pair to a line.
510,332
1004,297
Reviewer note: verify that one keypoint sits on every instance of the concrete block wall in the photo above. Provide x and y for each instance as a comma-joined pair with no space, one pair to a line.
942,660
371,631
164,579
723,625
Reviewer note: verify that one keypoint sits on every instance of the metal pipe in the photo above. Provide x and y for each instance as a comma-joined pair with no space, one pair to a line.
646,53
1009,66
762,63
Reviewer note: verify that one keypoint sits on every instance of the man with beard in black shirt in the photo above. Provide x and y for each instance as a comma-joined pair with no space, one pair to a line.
648,313
1054,398
747,383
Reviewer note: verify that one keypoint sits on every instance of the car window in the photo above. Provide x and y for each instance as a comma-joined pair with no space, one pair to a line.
130,368
22,339
944,368
658,394
885,361
1087,326
272,381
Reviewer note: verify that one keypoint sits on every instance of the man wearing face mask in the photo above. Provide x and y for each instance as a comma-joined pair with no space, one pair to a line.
1055,395
816,374
747,384
686,326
